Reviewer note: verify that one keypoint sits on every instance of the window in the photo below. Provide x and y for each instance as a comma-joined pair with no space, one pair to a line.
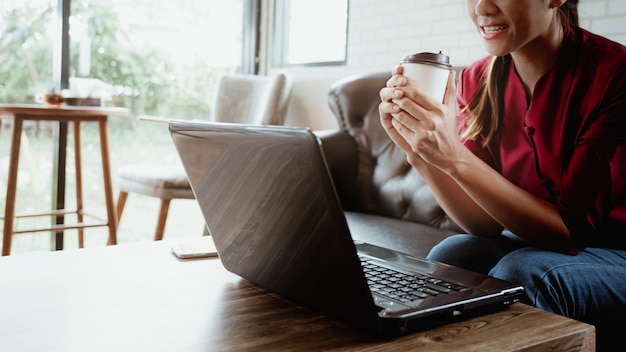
310,32
26,45
160,57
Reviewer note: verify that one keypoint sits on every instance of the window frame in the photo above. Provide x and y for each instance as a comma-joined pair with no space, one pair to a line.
61,54
281,39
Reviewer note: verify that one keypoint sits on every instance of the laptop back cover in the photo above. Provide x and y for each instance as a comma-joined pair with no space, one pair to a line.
269,203
263,200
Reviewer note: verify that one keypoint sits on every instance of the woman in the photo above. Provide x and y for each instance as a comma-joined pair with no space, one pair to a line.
531,160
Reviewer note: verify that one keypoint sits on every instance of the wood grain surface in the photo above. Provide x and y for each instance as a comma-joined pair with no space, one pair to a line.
140,297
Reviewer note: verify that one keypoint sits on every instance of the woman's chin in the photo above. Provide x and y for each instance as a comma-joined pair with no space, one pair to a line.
496,50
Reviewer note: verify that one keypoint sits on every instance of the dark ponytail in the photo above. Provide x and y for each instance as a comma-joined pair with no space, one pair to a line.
568,13
484,111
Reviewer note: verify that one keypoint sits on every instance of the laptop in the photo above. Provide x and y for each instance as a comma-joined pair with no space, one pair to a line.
271,208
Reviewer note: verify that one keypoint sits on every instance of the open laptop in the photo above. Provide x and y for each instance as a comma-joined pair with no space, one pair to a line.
270,205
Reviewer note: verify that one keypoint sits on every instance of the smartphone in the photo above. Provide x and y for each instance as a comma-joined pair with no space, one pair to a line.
203,248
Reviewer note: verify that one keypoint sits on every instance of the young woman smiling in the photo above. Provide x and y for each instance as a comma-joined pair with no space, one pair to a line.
527,153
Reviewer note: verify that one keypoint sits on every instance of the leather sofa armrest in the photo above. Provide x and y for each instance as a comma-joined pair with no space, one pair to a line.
341,154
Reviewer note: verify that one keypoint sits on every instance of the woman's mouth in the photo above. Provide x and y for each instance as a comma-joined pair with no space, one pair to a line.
493,31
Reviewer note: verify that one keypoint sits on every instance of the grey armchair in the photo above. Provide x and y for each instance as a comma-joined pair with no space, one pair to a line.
249,99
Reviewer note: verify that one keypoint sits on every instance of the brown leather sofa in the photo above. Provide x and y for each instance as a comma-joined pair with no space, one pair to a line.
386,201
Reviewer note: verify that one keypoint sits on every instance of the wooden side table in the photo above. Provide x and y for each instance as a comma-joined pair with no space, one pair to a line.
63,115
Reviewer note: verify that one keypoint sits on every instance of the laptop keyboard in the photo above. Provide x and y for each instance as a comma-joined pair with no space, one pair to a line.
404,287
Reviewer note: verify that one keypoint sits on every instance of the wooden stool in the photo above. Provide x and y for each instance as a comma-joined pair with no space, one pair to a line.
63,115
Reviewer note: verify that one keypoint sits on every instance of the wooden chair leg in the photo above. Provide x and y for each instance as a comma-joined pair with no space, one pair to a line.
165,205
9,210
119,209
79,182
121,202
108,183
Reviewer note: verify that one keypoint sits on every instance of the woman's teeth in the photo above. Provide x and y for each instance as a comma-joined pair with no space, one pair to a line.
493,29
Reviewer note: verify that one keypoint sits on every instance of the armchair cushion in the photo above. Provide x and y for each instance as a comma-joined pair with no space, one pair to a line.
162,181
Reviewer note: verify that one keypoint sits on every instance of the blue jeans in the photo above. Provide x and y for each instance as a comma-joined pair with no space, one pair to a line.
590,286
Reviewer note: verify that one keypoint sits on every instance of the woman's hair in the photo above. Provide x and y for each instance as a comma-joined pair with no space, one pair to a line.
485,110
568,13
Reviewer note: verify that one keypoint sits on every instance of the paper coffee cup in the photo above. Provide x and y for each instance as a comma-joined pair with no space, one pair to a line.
428,72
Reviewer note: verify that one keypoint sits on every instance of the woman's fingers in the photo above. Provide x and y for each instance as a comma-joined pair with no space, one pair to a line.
397,81
390,125
388,94
397,70
422,116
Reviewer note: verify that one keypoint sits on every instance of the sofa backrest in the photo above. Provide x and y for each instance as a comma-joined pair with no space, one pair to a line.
386,184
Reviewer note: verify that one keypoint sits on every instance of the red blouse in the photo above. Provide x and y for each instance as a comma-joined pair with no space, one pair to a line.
568,145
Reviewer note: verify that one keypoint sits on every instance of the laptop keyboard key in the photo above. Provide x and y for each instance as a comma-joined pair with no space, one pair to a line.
439,288
404,287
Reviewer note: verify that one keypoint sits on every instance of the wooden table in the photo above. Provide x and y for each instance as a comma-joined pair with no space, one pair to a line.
63,115
139,297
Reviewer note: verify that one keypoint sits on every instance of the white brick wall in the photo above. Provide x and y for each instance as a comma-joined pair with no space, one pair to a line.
381,32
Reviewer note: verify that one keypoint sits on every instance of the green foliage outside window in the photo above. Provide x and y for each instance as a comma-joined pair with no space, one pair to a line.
143,80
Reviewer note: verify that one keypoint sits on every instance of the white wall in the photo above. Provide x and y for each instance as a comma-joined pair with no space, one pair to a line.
380,32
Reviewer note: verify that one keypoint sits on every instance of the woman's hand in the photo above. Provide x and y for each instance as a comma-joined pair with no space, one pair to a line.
387,109
411,119
422,127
